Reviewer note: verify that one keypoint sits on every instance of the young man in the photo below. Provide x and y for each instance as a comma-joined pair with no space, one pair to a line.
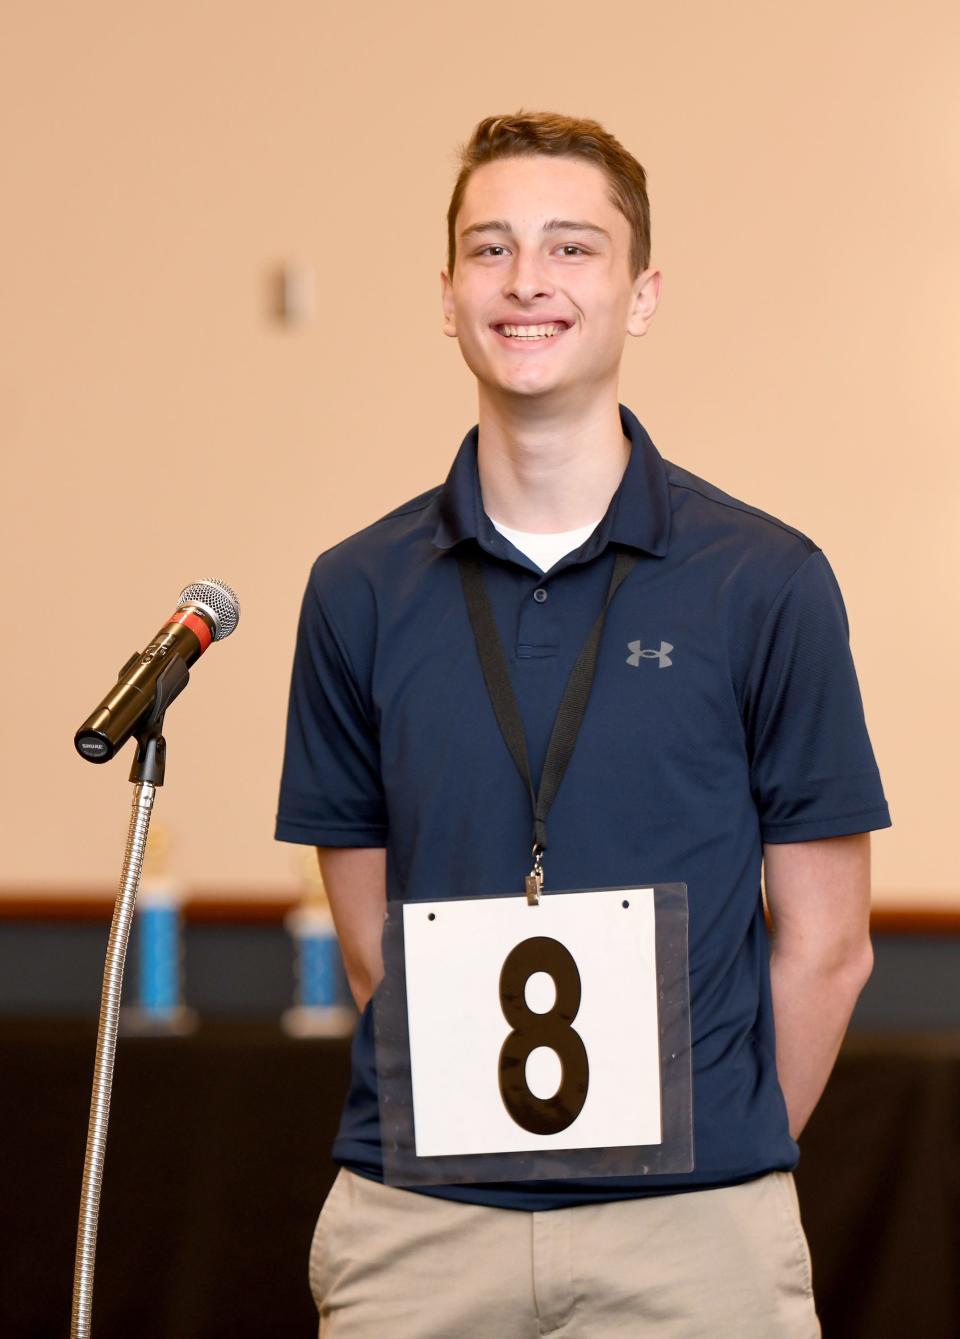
724,728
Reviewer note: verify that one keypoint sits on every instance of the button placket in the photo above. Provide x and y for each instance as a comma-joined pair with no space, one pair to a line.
538,632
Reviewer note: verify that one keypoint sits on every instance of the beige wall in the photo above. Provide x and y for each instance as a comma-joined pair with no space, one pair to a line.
157,426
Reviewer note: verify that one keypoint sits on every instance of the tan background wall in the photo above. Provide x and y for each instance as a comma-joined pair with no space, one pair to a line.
160,161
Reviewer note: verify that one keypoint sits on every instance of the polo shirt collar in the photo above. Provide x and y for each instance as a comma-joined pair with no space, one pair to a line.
638,515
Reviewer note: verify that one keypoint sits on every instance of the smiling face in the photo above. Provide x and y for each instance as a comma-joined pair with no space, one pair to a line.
541,298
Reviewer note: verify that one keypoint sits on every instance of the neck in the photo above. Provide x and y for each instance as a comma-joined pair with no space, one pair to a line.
553,472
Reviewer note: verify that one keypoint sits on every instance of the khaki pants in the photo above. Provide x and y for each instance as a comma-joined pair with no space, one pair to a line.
729,1263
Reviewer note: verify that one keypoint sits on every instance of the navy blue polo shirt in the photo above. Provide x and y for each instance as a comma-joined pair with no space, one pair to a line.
749,729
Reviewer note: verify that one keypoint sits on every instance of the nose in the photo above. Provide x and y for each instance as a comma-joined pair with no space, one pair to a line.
526,279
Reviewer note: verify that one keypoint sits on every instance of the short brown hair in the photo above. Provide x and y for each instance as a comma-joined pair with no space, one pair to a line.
561,136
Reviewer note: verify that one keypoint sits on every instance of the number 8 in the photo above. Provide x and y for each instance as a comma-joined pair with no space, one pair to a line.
553,1029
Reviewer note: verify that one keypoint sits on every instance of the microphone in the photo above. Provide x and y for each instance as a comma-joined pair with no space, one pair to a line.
206,612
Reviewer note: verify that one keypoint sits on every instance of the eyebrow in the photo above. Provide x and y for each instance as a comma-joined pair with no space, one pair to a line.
552,225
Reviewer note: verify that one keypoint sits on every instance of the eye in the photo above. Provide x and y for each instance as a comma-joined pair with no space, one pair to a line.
566,246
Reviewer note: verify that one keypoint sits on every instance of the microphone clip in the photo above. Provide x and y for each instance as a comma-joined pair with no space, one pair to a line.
149,763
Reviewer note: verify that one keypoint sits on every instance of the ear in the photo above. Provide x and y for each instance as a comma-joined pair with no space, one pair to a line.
446,299
643,304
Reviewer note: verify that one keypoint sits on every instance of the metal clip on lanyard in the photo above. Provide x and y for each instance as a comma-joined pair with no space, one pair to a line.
566,726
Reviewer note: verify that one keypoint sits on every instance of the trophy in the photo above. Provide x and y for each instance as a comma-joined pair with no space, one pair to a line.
159,1008
324,1007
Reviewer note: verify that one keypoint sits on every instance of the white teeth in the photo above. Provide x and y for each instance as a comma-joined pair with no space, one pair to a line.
530,331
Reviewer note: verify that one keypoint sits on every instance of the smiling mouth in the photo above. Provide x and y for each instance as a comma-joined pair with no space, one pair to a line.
522,335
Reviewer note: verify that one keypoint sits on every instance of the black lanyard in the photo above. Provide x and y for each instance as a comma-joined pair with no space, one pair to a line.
566,726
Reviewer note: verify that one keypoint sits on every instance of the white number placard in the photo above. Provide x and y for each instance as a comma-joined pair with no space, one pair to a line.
533,1027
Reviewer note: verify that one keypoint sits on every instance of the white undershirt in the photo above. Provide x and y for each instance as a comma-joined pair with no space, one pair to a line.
546,550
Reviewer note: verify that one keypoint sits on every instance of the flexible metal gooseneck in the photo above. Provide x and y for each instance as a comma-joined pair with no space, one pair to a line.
103,1065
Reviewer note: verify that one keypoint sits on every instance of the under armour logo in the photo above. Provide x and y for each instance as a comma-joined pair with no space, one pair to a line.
638,651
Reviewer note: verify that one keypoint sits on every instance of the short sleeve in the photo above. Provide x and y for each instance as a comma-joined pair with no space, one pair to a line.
812,769
331,792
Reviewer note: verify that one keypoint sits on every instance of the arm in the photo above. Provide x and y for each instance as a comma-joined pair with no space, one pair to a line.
356,882
818,893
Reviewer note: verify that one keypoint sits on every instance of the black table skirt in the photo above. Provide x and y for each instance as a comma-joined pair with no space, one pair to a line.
217,1164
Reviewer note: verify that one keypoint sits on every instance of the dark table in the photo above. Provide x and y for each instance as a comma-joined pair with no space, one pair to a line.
217,1164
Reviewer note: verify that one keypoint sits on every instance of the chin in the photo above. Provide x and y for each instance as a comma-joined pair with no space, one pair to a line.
522,385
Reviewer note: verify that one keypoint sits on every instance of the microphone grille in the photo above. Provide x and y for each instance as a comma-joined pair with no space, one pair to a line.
218,600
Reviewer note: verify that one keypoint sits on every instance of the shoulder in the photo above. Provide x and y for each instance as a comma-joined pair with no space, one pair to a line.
761,549
373,547
346,578
725,513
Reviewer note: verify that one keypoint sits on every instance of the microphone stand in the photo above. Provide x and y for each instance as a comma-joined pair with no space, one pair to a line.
147,774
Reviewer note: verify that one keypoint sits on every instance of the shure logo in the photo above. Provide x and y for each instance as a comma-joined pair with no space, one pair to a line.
637,651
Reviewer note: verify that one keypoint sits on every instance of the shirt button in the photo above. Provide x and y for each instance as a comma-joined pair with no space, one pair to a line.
539,595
